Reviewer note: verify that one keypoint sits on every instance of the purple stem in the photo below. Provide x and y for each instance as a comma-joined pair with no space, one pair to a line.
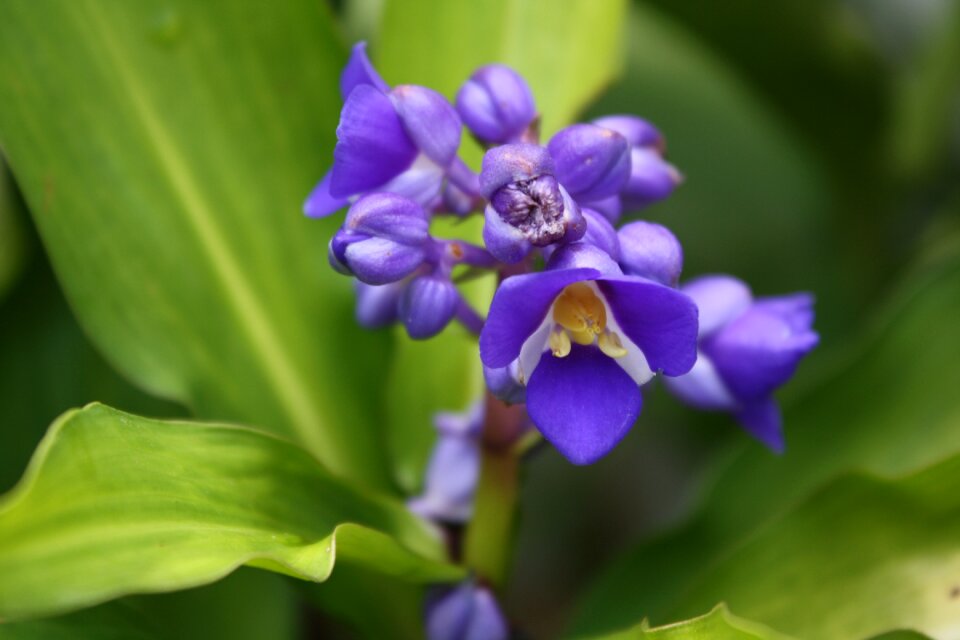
464,178
468,317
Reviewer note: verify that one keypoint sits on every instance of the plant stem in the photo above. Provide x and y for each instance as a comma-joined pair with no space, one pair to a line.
489,537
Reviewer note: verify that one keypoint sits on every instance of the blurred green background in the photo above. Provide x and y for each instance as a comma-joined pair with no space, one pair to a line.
820,142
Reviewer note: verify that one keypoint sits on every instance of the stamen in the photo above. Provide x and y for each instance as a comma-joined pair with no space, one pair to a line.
610,344
559,342
579,309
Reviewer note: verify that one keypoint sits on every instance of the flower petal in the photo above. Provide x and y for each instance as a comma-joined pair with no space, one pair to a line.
660,320
763,421
592,162
377,304
518,309
320,203
359,70
702,387
428,305
584,403
431,122
720,299
372,145
757,352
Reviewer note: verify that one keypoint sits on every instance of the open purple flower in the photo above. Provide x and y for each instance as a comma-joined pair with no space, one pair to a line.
402,140
748,348
585,337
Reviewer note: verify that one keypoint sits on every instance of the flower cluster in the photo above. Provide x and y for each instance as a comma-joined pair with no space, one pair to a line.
585,313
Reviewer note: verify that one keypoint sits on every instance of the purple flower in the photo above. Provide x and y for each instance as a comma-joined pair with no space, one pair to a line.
650,250
454,468
384,238
528,207
651,177
592,162
585,337
466,612
747,349
496,104
401,140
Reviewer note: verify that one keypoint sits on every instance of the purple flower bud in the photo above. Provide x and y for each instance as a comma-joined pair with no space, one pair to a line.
719,298
528,208
454,468
377,305
382,240
592,162
496,104
510,163
429,120
637,131
601,234
652,251
581,255
610,208
651,179
466,612
504,383
359,71
428,305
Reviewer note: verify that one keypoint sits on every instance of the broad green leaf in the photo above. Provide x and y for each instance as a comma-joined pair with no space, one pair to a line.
165,148
580,45
860,556
889,408
115,504
719,624
246,605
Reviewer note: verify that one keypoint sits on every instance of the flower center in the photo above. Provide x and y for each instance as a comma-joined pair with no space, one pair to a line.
581,317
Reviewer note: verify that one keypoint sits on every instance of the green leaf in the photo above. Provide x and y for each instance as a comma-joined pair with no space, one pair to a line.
246,605
115,504
719,624
165,149
860,556
580,44
889,408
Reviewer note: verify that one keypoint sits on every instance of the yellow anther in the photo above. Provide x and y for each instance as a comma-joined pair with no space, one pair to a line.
585,337
611,345
578,309
559,342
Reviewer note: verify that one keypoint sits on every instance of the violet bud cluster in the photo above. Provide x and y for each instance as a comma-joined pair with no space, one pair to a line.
587,310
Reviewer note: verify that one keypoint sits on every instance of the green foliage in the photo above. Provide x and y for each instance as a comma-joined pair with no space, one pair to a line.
165,149
114,504
817,557
719,624
12,240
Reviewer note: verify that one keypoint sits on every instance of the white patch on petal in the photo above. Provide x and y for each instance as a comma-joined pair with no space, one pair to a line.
634,363
420,182
703,387
533,348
